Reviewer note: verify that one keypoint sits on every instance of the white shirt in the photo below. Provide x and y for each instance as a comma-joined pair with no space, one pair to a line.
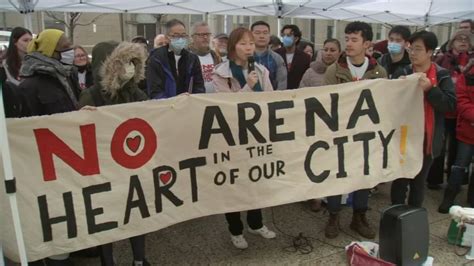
207,66
176,58
82,79
289,59
358,72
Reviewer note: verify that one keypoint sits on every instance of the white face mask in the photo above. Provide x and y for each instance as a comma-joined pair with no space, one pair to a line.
67,57
129,71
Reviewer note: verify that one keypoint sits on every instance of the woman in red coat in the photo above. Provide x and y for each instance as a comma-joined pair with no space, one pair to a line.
465,136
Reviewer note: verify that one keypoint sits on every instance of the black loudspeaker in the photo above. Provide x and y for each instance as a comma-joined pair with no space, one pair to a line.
404,235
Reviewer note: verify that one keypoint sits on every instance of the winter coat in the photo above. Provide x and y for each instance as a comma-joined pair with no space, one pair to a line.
223,80
48,86
163,81
314,75
442,98
300,64
339,72
386,62
111,89
465,109
276,67
452,63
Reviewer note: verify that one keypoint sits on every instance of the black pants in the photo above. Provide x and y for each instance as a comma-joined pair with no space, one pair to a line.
436,174
236,227
138,249
417,186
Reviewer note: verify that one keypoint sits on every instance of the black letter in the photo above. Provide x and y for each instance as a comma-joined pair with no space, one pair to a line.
210,113
69,218
140,202
192,164
365,95
385,142
340,156
249,125
365,137
164,190
307,162
314,106
274,122
87,192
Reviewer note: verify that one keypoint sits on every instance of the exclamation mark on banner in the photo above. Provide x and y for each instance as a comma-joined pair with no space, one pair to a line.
403,142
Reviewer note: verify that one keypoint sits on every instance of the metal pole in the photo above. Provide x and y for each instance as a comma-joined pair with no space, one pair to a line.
8,173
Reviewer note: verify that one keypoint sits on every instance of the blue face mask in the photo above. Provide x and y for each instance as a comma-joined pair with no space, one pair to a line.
394,48
288,41
178,44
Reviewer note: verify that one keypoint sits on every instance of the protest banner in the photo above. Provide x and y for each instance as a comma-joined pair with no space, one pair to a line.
91,177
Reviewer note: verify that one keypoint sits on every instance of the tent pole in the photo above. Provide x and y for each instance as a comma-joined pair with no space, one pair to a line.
8,173
279,26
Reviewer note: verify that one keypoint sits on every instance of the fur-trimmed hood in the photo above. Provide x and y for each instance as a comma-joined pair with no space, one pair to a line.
113,67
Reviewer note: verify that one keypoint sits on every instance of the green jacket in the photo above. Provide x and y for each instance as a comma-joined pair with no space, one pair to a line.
339,71
109,87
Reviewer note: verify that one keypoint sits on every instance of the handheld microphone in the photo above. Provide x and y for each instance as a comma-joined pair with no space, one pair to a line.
251,62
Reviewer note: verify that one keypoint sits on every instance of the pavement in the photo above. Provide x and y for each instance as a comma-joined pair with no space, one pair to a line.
207,241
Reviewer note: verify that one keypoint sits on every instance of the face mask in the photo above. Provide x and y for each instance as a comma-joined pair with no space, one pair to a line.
288,41
129,71
394,48
67,57
178,44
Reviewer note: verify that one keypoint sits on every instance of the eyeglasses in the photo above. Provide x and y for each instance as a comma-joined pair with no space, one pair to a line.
80,56
176,36
202,35
462,39
415,50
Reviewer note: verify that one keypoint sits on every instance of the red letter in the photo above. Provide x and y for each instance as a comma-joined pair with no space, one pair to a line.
49,144
120,137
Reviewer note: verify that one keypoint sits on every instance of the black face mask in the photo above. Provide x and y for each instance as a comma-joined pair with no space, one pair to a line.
82,68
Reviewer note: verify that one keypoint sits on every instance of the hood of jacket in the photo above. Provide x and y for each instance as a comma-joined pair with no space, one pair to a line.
37,63
113,67
318,66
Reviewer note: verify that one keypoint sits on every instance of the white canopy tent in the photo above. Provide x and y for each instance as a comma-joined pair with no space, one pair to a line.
407,12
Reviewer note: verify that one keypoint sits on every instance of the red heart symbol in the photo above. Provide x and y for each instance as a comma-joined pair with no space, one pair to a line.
134,143
165,177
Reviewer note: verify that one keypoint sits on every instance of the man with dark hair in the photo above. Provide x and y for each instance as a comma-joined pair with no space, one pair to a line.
396,57
265,56
353,65
467,24
296,61
439,98
172,69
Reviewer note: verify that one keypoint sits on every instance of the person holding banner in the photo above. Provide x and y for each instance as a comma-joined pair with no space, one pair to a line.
353,65
439,98
118,70
240,74
50,83
49,86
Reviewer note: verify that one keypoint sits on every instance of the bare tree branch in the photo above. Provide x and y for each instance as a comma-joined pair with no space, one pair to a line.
90,22
53,16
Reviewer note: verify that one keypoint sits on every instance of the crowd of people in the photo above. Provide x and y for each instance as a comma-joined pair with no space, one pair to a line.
47,75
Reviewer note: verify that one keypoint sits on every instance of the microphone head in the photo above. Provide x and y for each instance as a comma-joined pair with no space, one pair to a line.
251,59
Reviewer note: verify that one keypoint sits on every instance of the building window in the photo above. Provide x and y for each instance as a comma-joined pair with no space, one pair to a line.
330,32
147,30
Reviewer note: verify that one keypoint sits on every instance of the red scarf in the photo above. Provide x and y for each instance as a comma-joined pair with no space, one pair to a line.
429,111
